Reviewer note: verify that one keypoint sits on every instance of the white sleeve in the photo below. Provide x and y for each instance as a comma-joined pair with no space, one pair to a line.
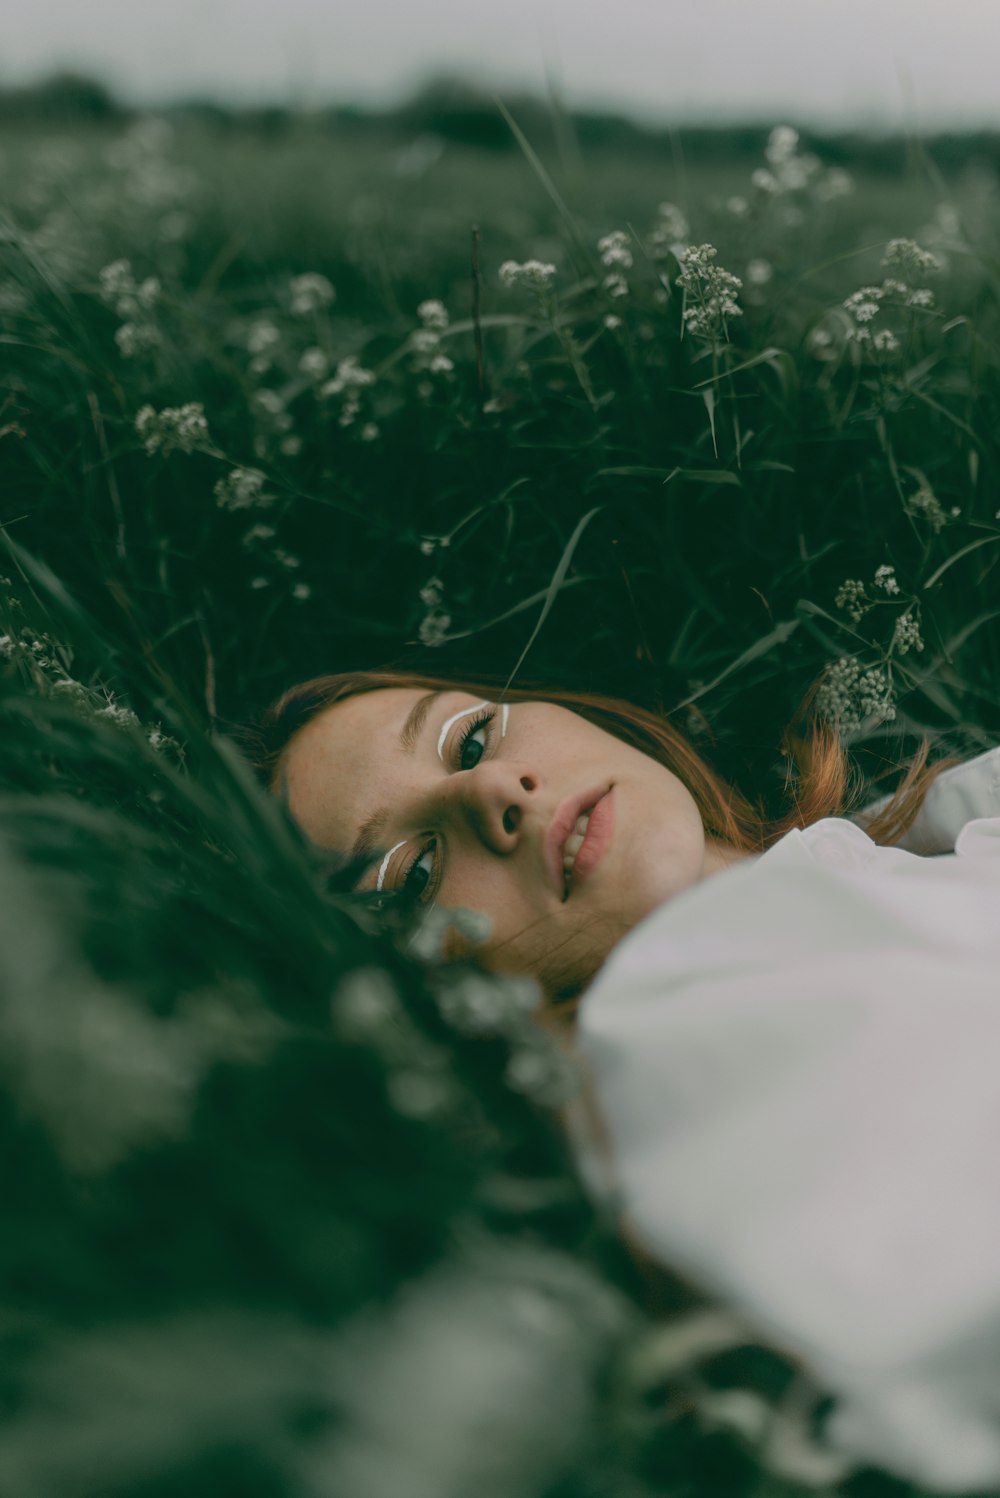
962,794
798,1072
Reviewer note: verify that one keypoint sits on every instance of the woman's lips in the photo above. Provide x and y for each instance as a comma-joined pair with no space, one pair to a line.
562,825
592,850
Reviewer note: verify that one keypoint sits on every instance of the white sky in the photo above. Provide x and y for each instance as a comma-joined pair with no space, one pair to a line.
911,63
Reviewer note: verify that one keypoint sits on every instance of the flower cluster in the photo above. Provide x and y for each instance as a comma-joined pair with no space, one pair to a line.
885,578
350,379
132,300
616,257
243,489
709,292
866,303
925,505
906,634
427,355
434,625
314,364
38,654
182,427
790,171
670,234
535,275
851,597
310,293
273,420
849,696
907,257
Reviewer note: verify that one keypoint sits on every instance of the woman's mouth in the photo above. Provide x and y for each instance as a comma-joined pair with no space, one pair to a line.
586,844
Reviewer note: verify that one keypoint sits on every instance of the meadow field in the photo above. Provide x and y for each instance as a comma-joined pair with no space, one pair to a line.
719,437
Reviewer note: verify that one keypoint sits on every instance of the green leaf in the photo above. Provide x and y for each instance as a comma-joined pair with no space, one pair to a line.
777,636
957,557
555,584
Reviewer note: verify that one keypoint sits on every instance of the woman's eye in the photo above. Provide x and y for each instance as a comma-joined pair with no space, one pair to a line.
469,741
419,878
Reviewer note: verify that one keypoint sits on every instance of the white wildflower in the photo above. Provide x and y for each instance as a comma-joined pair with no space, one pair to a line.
258,533
921,297
765,181
670,235
424,341
852,599
907,256
672,221
441,364
350,375
116,280
611,322
737,206
301,592
269,401
314,364
134,339
709,292
369,432
820,344
120,290
759,272
434,627
885,342
614,250
885,578
433,314
906,635
6,647
536,275
243,489
616,285
310,293
834,184
182,427
781,144
864,304
259,582
291,445
261,336
849,697
925,505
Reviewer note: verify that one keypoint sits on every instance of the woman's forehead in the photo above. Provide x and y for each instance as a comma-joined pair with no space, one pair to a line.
336,759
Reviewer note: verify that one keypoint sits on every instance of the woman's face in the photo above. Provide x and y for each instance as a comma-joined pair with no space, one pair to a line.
470,803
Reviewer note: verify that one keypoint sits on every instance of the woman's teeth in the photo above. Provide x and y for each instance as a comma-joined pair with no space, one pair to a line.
572,847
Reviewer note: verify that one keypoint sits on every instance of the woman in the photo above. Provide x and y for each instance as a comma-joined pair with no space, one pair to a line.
791,1025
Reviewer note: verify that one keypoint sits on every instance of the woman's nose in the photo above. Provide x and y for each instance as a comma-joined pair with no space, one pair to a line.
494,797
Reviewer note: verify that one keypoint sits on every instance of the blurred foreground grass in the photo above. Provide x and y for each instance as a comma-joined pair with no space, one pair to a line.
289,1208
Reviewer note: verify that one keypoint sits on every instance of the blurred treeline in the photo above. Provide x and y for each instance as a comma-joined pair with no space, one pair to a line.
455,110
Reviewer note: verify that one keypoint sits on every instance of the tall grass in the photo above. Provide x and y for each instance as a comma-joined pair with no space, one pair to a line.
289,1206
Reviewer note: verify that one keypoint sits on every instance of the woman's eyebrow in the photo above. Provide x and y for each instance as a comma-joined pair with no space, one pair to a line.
416,718
365,844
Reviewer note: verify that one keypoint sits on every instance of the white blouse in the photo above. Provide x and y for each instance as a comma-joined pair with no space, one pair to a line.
798,1065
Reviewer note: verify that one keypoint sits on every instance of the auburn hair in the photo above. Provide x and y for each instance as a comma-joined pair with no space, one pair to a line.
821,781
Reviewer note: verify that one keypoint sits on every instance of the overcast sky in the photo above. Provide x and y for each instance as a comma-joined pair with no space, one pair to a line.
914,63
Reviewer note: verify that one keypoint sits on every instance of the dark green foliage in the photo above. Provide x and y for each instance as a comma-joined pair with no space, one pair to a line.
290,1208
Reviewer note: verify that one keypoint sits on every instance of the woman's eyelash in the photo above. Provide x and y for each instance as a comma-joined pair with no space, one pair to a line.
481,721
